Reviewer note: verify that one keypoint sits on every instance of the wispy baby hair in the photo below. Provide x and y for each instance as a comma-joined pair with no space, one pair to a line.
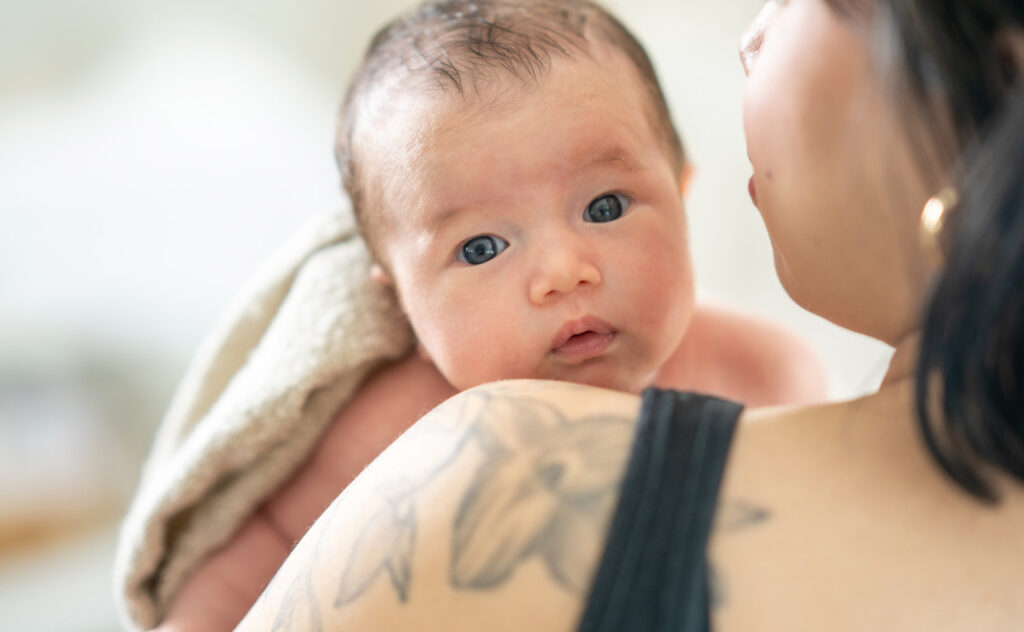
465,48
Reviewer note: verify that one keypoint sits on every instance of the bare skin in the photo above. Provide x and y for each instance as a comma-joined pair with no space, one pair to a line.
724,353
858,505
471,541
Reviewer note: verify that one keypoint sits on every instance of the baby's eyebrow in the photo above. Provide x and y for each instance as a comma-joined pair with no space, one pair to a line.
614,156
439,219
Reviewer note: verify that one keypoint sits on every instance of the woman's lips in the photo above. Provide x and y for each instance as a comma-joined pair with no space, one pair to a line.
582,339
752,190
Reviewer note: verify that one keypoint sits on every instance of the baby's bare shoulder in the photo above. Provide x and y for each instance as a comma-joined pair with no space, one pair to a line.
747,358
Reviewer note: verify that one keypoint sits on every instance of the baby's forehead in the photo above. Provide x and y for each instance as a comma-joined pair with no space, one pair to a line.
406,107
403,123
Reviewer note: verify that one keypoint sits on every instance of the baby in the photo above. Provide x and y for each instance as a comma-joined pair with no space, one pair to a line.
518,178
519,182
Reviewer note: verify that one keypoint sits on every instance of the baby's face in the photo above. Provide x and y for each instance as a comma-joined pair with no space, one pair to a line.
540,234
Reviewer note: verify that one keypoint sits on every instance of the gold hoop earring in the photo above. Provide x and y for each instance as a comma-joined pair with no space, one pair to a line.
933,217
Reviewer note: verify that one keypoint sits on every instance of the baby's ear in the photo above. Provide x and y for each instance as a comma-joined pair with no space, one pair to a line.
380,275
685,178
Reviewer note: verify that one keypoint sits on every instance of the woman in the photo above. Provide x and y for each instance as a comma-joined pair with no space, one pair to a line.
549,506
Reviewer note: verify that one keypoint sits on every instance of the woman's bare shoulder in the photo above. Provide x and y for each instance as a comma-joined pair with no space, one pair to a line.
470,519
835,517
467,521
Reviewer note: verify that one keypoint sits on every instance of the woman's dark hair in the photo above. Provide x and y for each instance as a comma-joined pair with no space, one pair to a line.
973,334
951,66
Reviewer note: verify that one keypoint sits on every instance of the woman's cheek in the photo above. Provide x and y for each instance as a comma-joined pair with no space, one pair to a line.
752,127
761,120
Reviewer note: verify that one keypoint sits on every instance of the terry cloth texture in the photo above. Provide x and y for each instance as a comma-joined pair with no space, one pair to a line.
263,387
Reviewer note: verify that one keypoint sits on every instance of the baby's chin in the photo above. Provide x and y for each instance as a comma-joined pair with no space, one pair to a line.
602,377
625,384
601,374
610,380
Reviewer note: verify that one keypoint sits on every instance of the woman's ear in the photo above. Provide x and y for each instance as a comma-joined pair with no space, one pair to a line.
685,178
380,275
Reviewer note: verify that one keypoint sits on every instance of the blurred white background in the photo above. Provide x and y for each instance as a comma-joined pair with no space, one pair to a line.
152,154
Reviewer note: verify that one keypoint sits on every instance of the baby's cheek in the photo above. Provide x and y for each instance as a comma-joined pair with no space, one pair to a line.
664,293
480,349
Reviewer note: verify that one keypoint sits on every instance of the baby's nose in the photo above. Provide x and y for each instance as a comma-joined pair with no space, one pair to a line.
563,272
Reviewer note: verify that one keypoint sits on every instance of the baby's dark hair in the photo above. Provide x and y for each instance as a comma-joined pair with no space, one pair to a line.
466,47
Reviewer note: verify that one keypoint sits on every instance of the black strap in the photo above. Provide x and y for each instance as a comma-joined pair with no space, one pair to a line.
653,575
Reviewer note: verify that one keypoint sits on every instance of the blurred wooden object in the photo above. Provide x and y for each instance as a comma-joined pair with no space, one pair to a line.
63,468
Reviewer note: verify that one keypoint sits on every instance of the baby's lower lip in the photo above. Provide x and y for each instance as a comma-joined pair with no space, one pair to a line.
585,346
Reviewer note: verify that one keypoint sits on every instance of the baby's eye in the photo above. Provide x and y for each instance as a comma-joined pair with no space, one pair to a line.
606,208
481,249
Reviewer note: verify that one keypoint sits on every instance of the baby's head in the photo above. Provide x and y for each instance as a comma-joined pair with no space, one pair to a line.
516,174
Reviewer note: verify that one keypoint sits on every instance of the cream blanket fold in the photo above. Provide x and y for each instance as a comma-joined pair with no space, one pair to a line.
290,351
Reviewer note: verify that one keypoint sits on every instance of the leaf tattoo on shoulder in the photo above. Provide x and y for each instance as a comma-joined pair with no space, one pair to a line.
543,491
732,516
299,608
385,544
389,551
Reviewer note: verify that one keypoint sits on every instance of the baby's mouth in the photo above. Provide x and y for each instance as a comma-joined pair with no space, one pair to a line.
582,339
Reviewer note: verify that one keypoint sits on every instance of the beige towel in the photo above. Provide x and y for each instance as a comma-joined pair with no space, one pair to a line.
263,387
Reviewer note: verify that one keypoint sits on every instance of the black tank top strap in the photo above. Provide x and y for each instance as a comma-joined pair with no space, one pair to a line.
653,574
